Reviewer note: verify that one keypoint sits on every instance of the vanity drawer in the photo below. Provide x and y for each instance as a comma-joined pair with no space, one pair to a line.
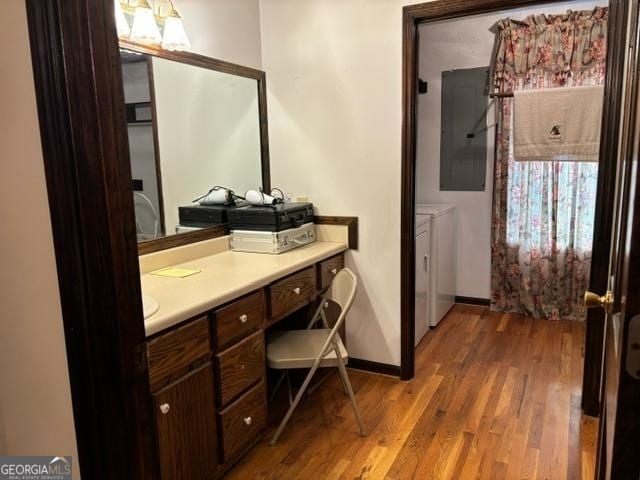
293,292
174,354
239,367
327,269
238,319
242,421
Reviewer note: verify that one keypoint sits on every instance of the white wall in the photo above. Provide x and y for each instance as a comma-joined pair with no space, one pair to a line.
449,45
224,29
35,399
334,78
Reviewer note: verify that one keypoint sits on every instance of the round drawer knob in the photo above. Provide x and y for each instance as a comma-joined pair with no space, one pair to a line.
334,271
243,318
241,366
164,408
296,290
248,420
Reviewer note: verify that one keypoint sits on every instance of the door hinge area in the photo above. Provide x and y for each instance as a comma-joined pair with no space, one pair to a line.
633,347
142,362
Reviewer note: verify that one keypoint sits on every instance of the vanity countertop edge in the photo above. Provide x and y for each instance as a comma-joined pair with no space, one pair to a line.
223,277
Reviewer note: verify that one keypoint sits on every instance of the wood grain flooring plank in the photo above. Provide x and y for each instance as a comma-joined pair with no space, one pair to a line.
404,426
573,439
495,396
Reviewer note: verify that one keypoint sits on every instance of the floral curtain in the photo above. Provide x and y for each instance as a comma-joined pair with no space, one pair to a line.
543,212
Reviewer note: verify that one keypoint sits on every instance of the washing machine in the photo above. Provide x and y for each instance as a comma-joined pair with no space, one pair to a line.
423,240
438,258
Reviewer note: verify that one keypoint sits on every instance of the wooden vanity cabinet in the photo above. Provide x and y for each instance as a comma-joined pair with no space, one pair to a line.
208,376
181,379
239,364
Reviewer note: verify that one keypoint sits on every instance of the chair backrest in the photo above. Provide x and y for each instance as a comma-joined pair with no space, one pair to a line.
343,288
342,292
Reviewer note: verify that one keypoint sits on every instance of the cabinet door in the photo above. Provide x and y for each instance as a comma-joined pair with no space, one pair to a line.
186,427
422,285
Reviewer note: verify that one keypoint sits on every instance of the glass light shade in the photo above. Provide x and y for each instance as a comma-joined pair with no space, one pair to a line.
121,21
175,37
145,29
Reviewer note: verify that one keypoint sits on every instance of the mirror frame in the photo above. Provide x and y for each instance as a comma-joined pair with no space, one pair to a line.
170,241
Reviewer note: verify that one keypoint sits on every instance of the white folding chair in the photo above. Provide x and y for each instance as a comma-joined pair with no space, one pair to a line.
316,347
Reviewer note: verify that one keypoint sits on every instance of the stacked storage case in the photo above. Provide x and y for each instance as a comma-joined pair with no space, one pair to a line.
271,229
203,216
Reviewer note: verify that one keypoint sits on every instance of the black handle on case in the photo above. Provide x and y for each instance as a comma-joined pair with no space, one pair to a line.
297,220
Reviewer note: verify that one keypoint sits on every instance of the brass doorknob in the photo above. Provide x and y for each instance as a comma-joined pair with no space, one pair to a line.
592,300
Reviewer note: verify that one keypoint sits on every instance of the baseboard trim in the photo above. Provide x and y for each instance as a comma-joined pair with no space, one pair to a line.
374,367
473,301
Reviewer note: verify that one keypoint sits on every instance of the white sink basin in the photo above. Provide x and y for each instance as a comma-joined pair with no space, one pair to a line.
149,305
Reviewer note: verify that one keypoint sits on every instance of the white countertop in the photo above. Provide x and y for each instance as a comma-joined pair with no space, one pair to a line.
224,276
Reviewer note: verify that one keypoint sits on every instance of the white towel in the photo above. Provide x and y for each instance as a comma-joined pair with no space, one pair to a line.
560,124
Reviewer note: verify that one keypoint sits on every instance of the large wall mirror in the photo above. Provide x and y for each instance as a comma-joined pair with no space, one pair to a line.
193,123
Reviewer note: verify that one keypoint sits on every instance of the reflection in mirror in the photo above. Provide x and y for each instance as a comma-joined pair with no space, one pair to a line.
190,129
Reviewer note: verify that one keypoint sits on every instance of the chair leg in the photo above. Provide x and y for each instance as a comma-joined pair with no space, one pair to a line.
293,406
344,385
354,404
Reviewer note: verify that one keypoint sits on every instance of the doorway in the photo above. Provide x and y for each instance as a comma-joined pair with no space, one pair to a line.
417,17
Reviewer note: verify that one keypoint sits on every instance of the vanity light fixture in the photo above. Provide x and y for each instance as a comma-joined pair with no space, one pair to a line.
149,20
174,37
144,29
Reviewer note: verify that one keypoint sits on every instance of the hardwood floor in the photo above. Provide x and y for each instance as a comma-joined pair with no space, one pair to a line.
496,396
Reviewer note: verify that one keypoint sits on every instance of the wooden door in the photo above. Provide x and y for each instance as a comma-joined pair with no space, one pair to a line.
186,427
619,437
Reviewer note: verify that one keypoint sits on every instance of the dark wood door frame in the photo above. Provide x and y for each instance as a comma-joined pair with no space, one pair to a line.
81,111
619,426
413,16
594,334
